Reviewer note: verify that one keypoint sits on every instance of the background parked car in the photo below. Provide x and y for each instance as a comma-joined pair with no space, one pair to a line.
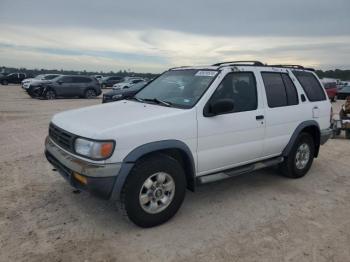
109,81
14,78
128,83
331,89
98,77
120,94
70,86
344,92
28,81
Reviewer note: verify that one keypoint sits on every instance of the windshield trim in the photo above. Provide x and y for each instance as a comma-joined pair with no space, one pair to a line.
184,106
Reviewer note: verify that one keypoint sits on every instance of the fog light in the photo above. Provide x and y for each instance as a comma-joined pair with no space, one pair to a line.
80,178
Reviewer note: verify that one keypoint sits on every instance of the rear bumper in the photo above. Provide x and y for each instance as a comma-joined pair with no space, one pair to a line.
325,135
98,179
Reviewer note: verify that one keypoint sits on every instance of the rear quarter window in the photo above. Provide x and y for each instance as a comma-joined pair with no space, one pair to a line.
311,85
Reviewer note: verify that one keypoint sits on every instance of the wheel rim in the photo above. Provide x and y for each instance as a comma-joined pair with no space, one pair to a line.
50,95
302,156
157,192
90,94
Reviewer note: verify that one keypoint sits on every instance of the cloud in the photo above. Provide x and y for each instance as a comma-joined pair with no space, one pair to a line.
155,35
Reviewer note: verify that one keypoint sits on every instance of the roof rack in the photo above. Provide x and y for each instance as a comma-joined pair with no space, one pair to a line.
248,62
293,66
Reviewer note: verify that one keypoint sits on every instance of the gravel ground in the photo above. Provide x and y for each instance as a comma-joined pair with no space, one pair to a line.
258,217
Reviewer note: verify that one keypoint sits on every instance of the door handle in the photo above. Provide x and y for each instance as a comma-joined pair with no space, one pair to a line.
259,117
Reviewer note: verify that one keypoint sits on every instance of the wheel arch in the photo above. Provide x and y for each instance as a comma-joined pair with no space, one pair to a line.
311,127
173,148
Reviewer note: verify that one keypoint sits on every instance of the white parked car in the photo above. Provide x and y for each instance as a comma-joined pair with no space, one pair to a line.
44,77
223,120
128,83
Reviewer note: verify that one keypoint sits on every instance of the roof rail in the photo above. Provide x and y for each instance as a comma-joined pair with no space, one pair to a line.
248,62
293,66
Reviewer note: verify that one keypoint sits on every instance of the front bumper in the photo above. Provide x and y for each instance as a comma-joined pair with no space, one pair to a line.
325,135
98,179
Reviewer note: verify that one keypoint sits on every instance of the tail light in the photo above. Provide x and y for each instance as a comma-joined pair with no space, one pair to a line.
331,116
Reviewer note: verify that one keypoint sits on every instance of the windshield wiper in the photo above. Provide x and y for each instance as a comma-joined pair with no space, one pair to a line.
158,101
135,98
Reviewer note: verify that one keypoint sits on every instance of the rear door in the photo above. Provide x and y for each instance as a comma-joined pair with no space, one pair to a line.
283,113
81,83
235,138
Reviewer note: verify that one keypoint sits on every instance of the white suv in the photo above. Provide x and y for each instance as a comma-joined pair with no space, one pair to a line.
189,126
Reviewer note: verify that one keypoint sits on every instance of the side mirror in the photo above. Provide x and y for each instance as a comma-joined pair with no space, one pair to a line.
219,107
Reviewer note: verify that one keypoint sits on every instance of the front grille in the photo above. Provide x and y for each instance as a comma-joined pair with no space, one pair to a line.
62,137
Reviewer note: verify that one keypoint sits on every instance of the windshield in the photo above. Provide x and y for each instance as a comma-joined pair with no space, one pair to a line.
137,86
181,88
49,77
39,77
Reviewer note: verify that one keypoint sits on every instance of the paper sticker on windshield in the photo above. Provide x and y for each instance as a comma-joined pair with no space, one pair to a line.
206,73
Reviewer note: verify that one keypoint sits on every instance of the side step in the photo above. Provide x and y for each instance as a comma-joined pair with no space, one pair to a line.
239,170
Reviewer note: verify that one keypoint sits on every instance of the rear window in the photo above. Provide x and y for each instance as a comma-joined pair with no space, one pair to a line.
311,85
280,90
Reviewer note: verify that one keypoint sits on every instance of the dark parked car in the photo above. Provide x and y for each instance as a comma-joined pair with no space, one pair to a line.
121,94
109,81
70,86
344,92
14,78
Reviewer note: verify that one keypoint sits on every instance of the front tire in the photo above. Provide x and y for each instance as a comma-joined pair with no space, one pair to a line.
153,191
300,158
5,82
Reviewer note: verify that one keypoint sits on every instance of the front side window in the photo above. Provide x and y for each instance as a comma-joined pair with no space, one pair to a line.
66,79
241,88
311,85
180,88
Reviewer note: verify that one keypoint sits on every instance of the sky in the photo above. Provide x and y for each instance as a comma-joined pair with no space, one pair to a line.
153,35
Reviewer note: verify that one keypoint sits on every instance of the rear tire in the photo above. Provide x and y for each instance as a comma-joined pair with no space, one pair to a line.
300,158
5,82
145,199
347,134
90,94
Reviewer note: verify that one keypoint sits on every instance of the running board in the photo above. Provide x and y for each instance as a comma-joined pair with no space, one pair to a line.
239,170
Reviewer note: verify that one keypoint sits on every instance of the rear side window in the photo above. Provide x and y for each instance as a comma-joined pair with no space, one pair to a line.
311,85
80,79
280,90
292,95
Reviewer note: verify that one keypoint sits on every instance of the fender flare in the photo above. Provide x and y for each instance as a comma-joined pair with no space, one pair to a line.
140,151
297,131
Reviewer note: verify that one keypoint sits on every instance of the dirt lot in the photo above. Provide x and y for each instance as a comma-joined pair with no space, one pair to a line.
258,217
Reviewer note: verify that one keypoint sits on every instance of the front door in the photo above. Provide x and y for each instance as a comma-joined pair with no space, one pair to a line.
234,138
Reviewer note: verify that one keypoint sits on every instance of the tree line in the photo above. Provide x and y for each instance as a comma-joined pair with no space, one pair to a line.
343,75
33,72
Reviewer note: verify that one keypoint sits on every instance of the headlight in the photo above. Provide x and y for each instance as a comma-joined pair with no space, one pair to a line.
116,96
96,150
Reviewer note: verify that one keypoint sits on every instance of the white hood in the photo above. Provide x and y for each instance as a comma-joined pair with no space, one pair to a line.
130,124
95,121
